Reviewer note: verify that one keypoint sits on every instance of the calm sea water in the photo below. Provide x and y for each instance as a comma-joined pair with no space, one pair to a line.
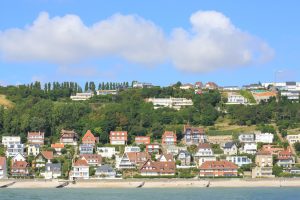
152,194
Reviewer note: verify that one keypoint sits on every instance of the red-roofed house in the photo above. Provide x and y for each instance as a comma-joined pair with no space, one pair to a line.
89,138
142,140
36,138
42,158
19,168
169,138
152,148
156,168
286,159
58,147
92,159
3,168
80,170
118,137
132,160
218,168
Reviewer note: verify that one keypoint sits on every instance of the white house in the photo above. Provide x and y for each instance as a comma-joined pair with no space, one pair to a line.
246,137
175,103
230,148
204,153
293,138
82,96
106,152
235,98
231,88
291,95
52,171
18,157
80,170
239,160
33,149
11,140
86,149
249,148
264,137
14,149
107,92
132,149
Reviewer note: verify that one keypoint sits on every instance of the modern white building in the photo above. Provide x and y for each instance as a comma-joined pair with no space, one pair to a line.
291,95
107,92
239,160
137,84
264,137
231,88
293,138
14,149
235,98
106,152
82,96
80,170
246,137
249,148
11,140
176,103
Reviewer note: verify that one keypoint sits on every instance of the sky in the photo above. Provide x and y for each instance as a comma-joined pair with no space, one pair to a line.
229,42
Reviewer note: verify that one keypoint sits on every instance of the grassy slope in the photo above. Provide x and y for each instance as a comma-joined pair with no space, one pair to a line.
5,102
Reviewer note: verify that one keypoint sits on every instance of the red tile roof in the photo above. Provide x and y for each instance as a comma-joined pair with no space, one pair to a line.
57,145
47,154
159,167
168,157
19,164
204,146
218,165
91,157
88,137
138,157
263,153
31,134
81,162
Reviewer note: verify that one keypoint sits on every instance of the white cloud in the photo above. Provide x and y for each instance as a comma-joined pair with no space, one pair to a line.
213,42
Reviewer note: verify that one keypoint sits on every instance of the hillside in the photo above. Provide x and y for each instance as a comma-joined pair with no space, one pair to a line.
5,102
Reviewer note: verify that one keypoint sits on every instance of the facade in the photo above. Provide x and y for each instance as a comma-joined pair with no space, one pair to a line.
33,149
218,168
136,84
169,138
89,138
14,149
193,135
105,171
18,157
291,95
230,148
156,168
107,92
184,157
234,98
131,160
286,159
204,149
246,137
132,149
152,148
263,96
239,160
173,149
202,159
106,152
118,137
211,86
86,149
58,147
68,137
36,138
11,140
83,96
293,138
92,159
19,168
272,149
142,140
80,170
249,148
231,88
176,103
264,165
52,171
42,158
264,137
187,86
3,168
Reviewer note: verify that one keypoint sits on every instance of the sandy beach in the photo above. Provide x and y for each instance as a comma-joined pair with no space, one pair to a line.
156,183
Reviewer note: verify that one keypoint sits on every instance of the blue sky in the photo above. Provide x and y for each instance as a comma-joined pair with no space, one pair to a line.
229,42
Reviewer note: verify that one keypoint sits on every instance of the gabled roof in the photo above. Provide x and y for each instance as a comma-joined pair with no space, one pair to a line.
194,130
156,166
32,134
19,164
218,165
105,168
137,157
228,145
81,162
68,133
91,157
264,153
167,157
88,136
47,154
169,134
204,146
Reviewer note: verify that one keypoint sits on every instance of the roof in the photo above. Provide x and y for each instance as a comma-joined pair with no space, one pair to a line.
137,157
88,136
169,134
2,161
68,133
81,162
57,145
53,166
265,94
168,157
31,134
19,164
218,165
228,145
105,168
156,166
91,156
47,154
285,154
265,153
204,146
194,130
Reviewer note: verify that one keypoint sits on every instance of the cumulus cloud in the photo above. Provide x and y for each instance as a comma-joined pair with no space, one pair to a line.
212,42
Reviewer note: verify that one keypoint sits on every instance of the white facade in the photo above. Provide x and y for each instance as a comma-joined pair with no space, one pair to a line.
11,140
175,103
234,98
249,148
132,149
291,95
82,96
264,137
106,152
244,137
203,159
137,84
293,138
239,160
80,172
14,149
33,150
106,92
231,88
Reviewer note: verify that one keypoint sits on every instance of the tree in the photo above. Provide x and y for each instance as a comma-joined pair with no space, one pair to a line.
277,170
86,87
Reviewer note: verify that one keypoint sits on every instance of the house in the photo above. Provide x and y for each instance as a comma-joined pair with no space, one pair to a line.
89,138
3,168
142,140
19,168
187,86
68,137
156,168
272,149
165,158
290,95
86,149
136,84
18,157
132,149
169,138
42,158
36,138
292,139
106,152
239,160
33,149
174,150
211,86
14,149
204,153
231,88
263,96
264,137
58,147
80,170
295,170
264,165
105,171
249,148
230,148
52,171
193,135
246,137
234,98
152,148
83,96
92,159
132,160
218,168
175,103
286,159
184,157
11,140
107,92
198,85
118,137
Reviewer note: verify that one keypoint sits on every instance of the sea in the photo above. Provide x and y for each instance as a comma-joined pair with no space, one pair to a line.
152,194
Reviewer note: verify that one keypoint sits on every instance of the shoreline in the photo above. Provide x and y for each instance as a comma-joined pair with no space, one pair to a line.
157,183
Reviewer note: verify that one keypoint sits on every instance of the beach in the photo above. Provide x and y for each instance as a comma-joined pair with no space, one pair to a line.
156,183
